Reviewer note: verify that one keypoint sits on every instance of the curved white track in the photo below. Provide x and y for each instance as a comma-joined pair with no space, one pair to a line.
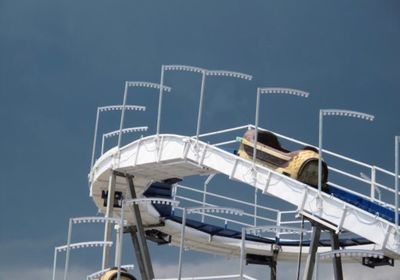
169,156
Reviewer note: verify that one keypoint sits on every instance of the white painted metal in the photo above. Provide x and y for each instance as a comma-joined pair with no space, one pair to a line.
74,246
124,131
129,84
107,109
204,73
179,159
334,112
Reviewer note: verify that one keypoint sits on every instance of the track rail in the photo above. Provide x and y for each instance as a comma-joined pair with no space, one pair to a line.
168,156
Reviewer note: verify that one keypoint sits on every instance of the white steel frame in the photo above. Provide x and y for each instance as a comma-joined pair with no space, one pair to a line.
257,231
352,210
204,73
74,246
128,84
345,253
81,220
373,169
334,112
124,131
201,211
108,109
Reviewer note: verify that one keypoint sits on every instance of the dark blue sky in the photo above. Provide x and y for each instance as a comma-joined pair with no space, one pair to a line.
60,59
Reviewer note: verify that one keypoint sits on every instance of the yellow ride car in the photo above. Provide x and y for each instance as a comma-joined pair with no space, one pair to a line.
301,165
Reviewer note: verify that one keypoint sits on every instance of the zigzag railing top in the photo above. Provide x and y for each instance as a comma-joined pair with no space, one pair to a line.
352,253
84,245
184,68
274,229
211,209
279,90
221,73
147,85
125,130
83,220
347,113
120,107
164,201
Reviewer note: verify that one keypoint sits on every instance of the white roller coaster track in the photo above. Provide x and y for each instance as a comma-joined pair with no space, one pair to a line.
155,158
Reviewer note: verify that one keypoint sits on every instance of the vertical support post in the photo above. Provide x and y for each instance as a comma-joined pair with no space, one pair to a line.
255,206
203,81
117,251
309,268
121,125
278,224
320,153
120,237
273,264
317,266
373,181
242,252
94,140
300,249
209,178
142,239
68,249
174,190
102,144
160,97
396,182
256,126
109,214
54,264
182,243
337,261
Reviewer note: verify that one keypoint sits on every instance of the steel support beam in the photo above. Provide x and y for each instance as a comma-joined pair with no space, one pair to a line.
273,264
337,261
108,225
309,268
139,258
140,231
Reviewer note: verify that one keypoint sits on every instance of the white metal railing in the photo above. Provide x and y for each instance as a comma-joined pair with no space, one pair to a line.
374,186
223,200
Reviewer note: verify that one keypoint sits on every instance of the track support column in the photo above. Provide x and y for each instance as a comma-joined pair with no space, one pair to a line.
274,263
337,261
309,268
139,258
109,214
140,231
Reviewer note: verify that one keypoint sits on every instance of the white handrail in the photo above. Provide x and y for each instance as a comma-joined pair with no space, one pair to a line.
349,191
223,131
227,198
349,175
213,205
373,183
